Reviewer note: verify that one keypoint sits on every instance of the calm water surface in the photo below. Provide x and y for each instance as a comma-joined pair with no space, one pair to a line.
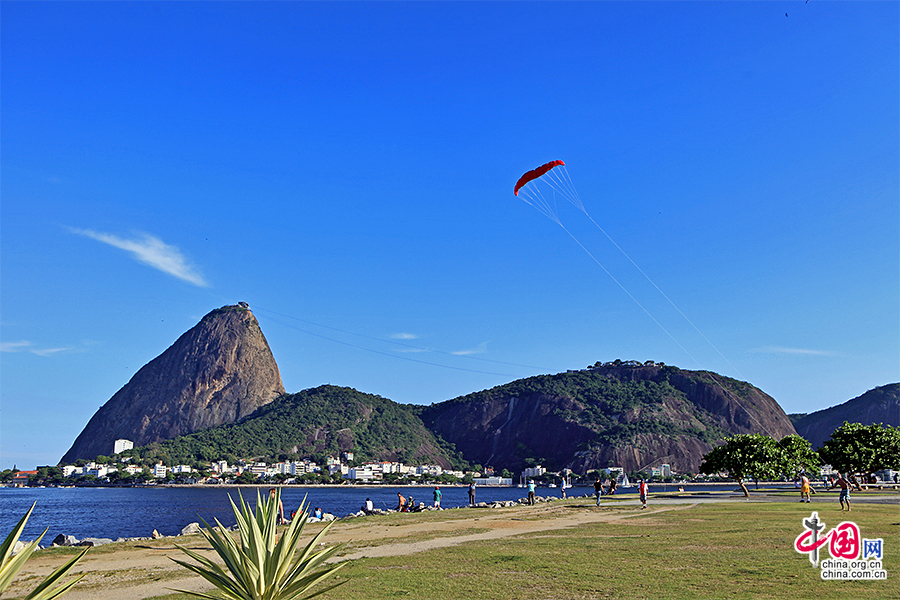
136,512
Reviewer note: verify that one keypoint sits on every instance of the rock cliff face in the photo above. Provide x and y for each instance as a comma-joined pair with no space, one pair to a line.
880,405
218,372
630,416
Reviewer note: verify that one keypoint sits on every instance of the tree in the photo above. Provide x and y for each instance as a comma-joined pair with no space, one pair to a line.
797,456
744,456
858,448
245,477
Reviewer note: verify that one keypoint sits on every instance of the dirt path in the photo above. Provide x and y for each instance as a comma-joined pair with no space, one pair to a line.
144,569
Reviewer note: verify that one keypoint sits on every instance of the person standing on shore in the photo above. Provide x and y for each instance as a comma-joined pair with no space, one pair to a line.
531,492
437,496
472,494
642,492
598,489
401,502
272,494
612,486
845,491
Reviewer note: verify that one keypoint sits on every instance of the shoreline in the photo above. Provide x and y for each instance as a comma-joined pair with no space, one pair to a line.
652,484
143,569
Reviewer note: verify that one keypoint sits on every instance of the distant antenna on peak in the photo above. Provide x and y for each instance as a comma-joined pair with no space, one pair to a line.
244,305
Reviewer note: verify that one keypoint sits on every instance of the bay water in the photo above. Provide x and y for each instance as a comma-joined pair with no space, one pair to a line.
114,512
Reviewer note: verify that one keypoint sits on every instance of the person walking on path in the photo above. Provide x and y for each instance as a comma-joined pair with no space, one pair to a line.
845,491
437,496
531,492
805,489
598,489
642,491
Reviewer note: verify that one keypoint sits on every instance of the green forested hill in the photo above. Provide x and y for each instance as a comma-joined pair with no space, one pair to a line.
626,414
629,415
326,420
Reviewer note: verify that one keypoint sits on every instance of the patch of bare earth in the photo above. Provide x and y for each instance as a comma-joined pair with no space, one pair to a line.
137,571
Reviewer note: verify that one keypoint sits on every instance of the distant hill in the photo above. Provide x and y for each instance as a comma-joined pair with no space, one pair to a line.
217,372
630,415
879,405
326,420
217,393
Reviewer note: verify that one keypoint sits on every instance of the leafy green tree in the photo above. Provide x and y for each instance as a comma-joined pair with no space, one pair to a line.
245,477
797,456
744,456
858,448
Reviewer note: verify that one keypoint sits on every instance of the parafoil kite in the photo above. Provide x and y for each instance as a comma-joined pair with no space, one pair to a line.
535,173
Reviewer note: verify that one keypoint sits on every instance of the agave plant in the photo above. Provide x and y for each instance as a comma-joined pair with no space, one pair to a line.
261,566
12,564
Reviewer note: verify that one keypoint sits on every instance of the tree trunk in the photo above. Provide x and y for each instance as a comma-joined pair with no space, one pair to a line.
744,487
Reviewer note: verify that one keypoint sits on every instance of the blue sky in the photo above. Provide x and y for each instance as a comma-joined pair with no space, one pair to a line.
348,169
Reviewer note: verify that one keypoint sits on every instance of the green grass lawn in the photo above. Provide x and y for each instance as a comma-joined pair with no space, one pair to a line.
726,550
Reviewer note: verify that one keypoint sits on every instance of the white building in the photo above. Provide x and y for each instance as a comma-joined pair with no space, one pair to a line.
122,446
492,481
344,470
432,470
536,471
100,471
159,471
364,473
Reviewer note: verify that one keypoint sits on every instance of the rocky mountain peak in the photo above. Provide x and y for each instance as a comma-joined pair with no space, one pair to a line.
218,372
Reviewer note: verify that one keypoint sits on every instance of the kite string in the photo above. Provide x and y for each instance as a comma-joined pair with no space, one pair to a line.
624,289
377,339
560,181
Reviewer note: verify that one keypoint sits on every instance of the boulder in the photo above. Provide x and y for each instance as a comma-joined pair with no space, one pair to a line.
156,535
191,529
89,541
65,540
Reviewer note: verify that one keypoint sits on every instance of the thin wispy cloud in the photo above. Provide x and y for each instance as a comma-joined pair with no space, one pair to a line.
480,349
795,351
14,346
404,336
26,346
151,251
48,351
